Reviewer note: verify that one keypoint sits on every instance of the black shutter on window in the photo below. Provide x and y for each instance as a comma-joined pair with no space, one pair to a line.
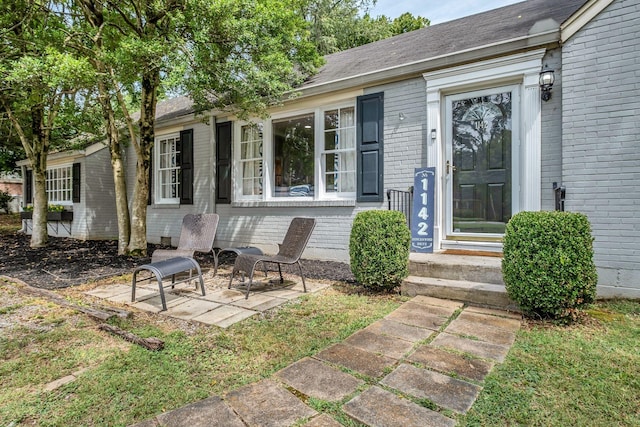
223,163
28,186
186,166
75,185
150,190
370,126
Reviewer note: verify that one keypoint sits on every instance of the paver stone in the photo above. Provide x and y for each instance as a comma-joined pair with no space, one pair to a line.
446,362
354,358
441,389
211,412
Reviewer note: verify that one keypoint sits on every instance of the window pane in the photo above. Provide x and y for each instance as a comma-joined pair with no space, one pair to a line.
294,156
331,140
331,119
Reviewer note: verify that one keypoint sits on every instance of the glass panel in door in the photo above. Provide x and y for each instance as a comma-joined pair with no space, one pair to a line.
481,137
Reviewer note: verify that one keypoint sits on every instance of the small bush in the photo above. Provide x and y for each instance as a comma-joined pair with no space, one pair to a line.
379,248
5,199
548,263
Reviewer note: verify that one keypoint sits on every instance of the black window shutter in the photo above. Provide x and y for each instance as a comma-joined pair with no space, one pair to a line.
370,127
150,192
75,186
223,162
186,167
28,186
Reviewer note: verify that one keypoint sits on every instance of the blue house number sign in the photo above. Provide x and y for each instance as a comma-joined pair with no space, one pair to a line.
424,180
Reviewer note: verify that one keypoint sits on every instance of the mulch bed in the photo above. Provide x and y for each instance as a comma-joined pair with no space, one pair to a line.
68,262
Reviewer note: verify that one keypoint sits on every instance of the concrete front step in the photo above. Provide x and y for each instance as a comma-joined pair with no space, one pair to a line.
473,293
482,269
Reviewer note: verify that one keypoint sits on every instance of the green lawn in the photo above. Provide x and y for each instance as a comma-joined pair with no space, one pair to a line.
587,374
581,375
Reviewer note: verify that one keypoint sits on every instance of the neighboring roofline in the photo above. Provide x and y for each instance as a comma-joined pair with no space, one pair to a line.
582,17
417,68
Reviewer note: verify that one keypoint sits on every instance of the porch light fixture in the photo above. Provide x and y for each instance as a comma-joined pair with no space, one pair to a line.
401,116
547,78
434,134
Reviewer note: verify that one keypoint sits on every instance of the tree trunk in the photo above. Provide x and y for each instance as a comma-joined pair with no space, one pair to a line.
39,234
39,145
144,150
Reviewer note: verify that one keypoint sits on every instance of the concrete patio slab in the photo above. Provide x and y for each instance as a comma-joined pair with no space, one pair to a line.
441,389
438,302
400,330
152,303
190,309
311,286
429,309
377,407
356,359
223,296
481,349
316,379
447,363
106,292
323,421
481,331
267,404
125,298
508,324
224,316
259,302
417,318
385,345
284,293
213,412
494,312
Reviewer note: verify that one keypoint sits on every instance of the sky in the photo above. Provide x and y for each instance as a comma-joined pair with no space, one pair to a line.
436,11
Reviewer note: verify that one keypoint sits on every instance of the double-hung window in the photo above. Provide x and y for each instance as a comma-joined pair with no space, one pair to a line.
339,152
251,160
59,185
173,168
168,171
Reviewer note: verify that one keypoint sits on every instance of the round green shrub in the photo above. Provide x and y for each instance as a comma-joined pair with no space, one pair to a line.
379,248
548,264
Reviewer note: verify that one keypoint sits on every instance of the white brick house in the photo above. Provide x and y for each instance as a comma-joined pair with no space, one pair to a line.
461,96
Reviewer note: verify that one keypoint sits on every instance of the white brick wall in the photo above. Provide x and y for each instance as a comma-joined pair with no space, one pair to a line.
601,140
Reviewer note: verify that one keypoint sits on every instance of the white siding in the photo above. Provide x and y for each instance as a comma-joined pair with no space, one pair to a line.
601,136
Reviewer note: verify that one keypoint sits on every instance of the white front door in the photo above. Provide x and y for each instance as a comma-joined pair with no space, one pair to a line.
481,162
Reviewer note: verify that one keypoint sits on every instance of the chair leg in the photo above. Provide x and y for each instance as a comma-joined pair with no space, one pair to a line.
304,285
233,274
280,271
253,269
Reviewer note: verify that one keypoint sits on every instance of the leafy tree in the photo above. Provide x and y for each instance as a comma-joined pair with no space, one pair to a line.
38,90
234,55
407,22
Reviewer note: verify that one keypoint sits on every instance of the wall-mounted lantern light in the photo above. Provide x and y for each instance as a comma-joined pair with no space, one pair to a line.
434,134
401,116
547,78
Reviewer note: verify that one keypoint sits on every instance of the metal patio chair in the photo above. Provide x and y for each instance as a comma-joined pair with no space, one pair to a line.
290,251
197,235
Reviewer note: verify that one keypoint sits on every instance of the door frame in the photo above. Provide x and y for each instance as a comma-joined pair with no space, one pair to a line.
449,233
521,70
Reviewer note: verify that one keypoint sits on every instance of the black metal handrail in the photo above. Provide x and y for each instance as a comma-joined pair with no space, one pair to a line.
402,201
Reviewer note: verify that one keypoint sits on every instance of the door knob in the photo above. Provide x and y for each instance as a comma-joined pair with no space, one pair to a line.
450,167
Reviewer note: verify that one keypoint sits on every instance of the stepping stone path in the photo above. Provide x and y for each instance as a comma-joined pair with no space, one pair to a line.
427,350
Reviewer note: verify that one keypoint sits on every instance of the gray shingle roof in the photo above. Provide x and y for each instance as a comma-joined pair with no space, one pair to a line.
483,29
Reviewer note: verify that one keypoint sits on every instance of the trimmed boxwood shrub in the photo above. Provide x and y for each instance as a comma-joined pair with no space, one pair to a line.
548,264
379,248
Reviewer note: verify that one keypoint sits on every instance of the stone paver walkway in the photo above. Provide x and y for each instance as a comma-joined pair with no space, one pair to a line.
426,350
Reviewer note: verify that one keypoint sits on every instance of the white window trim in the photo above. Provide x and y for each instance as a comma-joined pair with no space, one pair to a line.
321,196
157,187
69,202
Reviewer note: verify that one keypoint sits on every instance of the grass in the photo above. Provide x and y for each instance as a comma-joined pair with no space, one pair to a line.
10,223
124,384
580,375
